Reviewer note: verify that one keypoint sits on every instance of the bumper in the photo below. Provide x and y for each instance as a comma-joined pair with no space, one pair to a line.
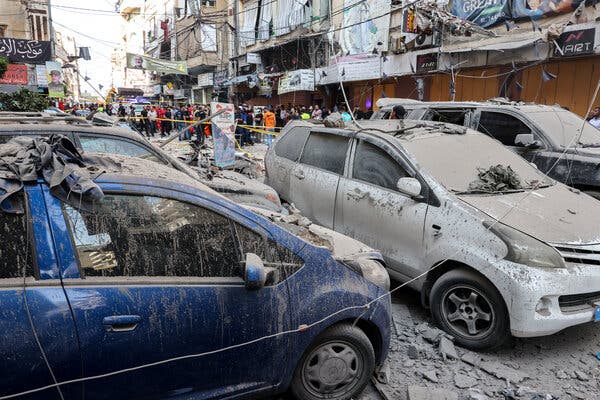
542,302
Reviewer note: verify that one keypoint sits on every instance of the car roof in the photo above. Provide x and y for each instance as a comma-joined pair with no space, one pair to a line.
118,168
494,103
9,128
402,130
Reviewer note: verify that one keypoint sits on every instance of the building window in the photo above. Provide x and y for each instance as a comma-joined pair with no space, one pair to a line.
3,29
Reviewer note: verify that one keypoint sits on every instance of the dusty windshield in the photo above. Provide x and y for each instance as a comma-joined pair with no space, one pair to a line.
456,161
563,127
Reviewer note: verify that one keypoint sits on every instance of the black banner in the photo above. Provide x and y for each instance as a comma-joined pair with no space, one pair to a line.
574,43
25,51
427,62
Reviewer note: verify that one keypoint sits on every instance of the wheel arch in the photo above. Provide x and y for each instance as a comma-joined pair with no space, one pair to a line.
442,267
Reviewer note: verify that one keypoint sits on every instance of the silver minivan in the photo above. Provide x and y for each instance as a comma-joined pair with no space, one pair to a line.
405,188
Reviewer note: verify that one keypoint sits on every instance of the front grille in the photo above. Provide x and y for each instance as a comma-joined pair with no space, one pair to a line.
587,255
573,300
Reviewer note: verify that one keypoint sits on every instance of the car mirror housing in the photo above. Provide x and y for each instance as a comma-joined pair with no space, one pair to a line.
527,140
409,186
255,274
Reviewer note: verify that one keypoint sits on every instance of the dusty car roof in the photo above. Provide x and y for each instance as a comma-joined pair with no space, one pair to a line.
118,167
390,102
59,126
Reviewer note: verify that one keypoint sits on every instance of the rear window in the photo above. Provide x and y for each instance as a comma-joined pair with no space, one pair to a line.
290,145
326,151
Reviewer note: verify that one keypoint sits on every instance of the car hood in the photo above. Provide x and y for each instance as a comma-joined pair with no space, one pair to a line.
341,246
555,214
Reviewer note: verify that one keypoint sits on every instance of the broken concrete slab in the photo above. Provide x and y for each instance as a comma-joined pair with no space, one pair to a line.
476,394
503,372
432,335
430,375
424,393
582,376
447,349
463,381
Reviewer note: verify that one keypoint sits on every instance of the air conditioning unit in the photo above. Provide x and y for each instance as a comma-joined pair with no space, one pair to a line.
423,41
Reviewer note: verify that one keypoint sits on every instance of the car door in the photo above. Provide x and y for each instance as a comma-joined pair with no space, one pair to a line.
504,126
315,178
280,161
371,209
38,344
160,279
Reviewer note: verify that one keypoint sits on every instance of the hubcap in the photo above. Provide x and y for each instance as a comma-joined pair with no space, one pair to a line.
332,369
468,312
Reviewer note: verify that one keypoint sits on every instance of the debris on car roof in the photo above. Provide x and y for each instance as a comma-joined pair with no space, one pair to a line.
55,159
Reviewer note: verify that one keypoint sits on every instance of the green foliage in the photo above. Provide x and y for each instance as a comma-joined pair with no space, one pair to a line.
3,65
23,100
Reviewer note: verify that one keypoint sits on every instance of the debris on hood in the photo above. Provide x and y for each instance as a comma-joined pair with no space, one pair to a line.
496,178
55,159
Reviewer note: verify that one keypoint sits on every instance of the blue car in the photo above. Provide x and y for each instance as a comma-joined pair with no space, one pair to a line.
165,289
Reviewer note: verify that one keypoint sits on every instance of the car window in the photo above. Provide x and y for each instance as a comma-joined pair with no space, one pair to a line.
326,151
503,127
273,255
152,236
15,251
107,145
456,117
290,145
373,165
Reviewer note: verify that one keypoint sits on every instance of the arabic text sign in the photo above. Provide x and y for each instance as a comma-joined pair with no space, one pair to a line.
15,75
223,131
302,79
358,67
25,51
138,61
574,43
482,12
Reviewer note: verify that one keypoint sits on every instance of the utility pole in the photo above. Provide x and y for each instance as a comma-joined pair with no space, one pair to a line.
51,26
77,67
236,42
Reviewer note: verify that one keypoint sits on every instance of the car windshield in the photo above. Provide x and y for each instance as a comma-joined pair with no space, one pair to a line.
564,126
456,162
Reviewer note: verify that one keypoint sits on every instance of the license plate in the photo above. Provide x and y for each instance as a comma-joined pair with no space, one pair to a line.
597,314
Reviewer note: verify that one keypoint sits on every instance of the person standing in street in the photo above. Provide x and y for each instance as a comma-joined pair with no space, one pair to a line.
144,123
166,126
594,117
152,115
269,118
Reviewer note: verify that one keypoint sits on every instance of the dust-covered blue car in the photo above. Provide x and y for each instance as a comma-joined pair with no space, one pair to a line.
165,289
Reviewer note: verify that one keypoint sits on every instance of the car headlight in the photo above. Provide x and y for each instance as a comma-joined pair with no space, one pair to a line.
524,249
371,270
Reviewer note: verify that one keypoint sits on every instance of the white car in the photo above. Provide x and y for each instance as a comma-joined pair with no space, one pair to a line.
405,188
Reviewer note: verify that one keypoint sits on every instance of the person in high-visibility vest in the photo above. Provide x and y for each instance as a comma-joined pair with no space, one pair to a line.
269,118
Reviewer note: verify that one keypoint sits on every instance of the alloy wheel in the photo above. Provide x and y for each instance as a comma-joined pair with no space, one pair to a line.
468,312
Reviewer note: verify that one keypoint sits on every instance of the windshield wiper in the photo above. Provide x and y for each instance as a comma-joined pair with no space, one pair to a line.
479,191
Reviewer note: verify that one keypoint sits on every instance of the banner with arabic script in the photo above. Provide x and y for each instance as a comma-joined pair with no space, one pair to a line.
25,51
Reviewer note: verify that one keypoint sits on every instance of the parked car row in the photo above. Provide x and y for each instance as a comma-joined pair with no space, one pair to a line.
166,289
489,263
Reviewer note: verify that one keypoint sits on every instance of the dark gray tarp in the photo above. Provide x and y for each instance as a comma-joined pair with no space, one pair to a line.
54,159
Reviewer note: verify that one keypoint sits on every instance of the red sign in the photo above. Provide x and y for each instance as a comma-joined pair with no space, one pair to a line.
15,75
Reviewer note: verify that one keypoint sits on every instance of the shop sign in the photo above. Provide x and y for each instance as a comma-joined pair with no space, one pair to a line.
574,43
25,51
302,79
139,61
253,58
427,62
484,13
40,75
205,80
15,75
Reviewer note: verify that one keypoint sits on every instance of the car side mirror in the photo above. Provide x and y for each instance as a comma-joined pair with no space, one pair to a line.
527,140
255,274
409,186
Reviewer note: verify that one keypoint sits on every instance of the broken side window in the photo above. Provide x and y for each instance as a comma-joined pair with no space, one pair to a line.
456,117
374,166
290,145
152,236
274,255
16,258
326,151
502,127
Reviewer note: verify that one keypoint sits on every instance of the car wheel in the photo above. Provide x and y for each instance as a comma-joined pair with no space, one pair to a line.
336,366
468,307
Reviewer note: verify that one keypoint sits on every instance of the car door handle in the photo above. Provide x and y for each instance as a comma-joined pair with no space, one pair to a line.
299,174
121,323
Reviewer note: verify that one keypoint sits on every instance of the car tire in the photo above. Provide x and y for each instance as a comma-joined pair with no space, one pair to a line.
468,307
336,366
